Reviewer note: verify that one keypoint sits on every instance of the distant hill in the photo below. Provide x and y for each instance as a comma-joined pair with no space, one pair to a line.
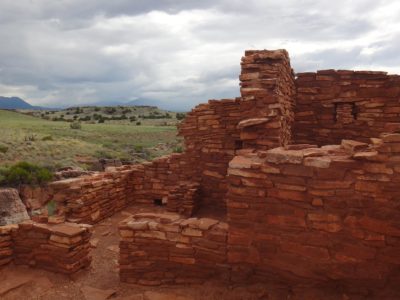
166,105
16,103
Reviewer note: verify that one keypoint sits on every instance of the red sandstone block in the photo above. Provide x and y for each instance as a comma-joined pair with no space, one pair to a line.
329,184
354,253
310,252
291,221
295,170
288,195
367,186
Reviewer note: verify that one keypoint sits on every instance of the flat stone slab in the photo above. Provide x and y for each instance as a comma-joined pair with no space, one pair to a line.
91,293
252,122
67,229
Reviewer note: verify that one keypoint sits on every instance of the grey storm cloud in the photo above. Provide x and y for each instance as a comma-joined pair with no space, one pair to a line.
69,52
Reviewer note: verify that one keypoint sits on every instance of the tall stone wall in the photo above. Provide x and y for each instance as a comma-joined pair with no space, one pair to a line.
211,137
267,89
334,105
316,214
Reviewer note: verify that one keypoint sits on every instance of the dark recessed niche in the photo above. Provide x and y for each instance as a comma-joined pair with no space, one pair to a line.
158,202
238,144
345,113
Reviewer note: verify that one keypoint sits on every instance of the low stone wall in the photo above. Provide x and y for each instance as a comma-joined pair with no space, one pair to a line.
184,198
317,214
62,248
6,250
87,199
90,199
166,248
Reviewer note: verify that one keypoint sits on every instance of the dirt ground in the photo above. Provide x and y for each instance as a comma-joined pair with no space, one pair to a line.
101,280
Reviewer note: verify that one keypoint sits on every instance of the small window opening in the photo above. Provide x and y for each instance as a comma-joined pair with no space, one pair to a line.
345,113
238,144
158,202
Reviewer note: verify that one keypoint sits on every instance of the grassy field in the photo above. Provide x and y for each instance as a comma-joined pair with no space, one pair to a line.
51,143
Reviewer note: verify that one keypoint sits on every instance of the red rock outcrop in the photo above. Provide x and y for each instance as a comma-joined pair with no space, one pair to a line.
12,210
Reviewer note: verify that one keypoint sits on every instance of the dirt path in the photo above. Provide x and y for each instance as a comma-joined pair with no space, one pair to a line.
101,280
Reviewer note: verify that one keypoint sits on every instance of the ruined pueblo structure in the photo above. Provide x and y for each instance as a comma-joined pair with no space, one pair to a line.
296,180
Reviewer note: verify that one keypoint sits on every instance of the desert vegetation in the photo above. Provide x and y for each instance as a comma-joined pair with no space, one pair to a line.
129,115
56,144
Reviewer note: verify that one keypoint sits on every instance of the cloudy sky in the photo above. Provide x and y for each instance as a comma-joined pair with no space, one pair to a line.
66,52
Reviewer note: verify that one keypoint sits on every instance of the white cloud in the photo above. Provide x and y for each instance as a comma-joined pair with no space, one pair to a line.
70,51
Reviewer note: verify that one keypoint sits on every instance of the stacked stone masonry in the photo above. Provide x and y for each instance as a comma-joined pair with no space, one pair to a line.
169,249
304,171
301,212
90,199
328,213
62,248
6,249
332,105
267,88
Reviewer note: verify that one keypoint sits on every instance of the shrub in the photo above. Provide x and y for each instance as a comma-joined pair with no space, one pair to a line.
75,125
51,207
47,138
3,149
138,148
180,116
25,173
103,154
178,149
30,137
138,123
110,110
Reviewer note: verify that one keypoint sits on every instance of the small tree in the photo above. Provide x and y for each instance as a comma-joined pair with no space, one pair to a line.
75,125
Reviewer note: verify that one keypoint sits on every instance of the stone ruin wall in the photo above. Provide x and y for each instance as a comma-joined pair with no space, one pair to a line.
332,105
316,214
297,213
301,213
90,199
267,89
6,249
62,248
211,136
166,248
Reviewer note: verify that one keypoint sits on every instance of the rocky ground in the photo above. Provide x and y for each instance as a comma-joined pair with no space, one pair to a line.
101,280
